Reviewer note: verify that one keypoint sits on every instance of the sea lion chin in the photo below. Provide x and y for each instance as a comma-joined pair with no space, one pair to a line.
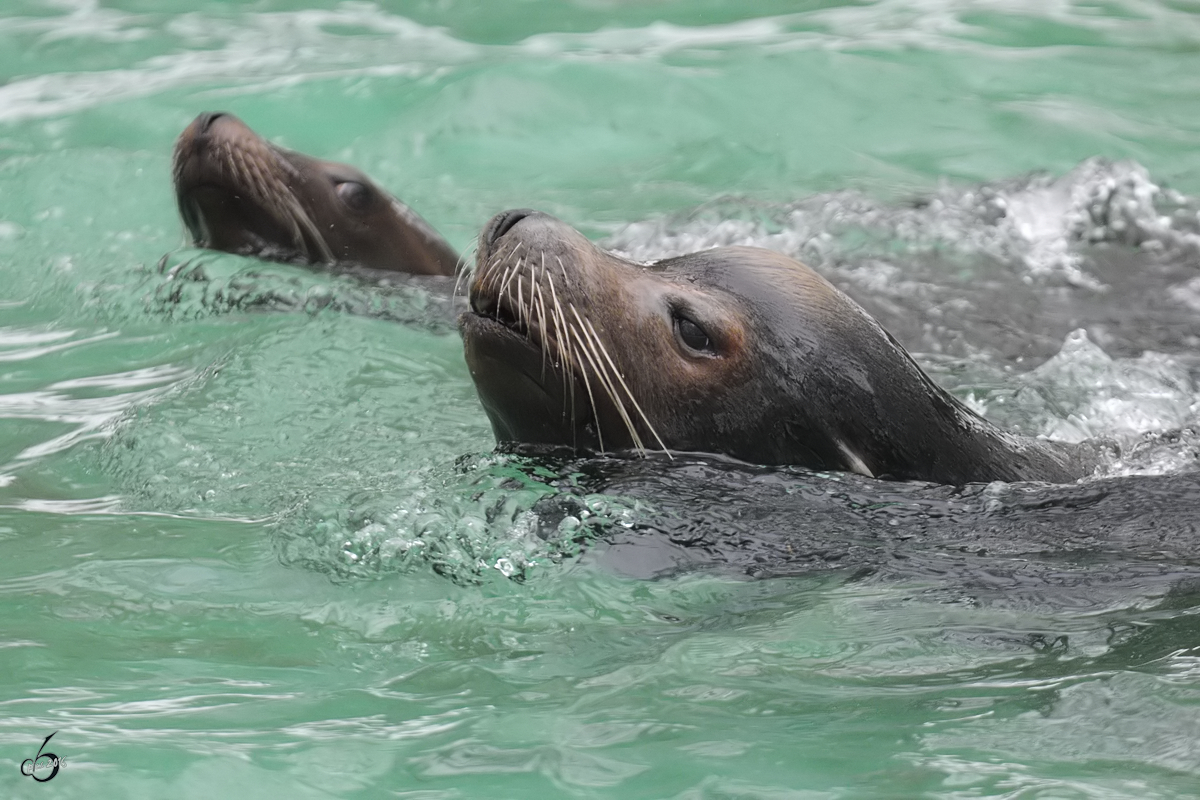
241,194
738,351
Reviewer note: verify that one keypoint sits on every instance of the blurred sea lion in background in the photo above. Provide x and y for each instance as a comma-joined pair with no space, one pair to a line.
241,194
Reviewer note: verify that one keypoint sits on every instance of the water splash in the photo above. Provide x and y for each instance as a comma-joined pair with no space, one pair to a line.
191,284
1035,223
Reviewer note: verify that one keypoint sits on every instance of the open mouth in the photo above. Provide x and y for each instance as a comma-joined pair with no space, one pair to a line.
223,218
193,218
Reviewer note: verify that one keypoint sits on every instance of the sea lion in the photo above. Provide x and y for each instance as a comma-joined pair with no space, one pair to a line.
241,194
737,351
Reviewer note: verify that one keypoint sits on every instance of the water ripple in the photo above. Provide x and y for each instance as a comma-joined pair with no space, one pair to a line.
85,19
61,403
22,345
281,48
275,48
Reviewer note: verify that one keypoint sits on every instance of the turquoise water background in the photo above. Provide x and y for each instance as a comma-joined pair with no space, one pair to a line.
270,553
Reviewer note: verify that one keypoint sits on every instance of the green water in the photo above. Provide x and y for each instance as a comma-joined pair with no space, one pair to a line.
270,554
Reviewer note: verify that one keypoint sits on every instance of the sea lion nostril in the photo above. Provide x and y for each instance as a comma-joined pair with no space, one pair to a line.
502,223
205,120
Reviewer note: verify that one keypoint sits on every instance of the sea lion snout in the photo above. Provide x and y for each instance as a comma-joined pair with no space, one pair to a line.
207,130
205,120
502,223
521,232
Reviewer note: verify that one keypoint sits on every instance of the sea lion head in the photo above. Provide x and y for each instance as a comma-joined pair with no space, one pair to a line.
241,194
726,351
736,351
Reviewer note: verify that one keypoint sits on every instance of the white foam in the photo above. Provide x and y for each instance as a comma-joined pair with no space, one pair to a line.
1038,222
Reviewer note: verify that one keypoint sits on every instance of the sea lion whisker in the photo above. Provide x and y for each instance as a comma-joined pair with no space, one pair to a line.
625,386
291,169
611,390
564,353
541,310
539,304
522,311
531,295
224,158
606,380
305,222
566,360
549,322
499,255
279,200
496,281
587,384
518,264
558,303
487,267
276,201
610,386
462,265
571,364
570,332
464,268
499,283
586,346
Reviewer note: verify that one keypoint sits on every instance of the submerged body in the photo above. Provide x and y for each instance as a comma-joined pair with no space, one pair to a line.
241,194
737,351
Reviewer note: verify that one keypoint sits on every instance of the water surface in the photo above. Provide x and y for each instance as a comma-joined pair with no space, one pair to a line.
255,538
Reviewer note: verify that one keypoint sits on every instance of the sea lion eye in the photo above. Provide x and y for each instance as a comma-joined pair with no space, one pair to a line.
353,194
693,336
